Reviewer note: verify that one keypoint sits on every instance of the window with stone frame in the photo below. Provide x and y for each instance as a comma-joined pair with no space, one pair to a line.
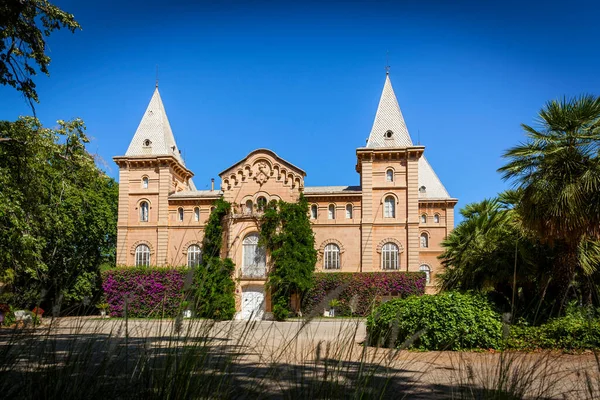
142,255
194,255
331,256
424,240
313,211
144,211
389,175
389,207
390,256
254,257
425,268
349,211
331,211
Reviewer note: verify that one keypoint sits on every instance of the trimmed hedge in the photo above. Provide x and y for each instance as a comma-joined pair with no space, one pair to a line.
446,321
152,291
359,292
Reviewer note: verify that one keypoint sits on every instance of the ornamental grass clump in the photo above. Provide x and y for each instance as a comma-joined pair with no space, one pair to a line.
446,321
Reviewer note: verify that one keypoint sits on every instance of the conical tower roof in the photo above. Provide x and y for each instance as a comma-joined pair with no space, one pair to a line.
153,135
389,128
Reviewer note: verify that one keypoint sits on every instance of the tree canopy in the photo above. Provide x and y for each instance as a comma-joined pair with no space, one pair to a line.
24,25
551,221
58,214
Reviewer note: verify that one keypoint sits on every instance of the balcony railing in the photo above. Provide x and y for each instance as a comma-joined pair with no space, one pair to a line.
254,272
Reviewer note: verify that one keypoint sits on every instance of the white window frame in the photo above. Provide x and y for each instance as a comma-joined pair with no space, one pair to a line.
349,211
331,257
196,214
331,211
427,269
389,175
314,211
142,255
254,258
145,182
390,257
194,254
248,207
144,211
436,218
389,207
180,214
423,218
424,240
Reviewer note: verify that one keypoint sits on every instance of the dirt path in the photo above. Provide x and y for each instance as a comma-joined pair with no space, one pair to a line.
313,348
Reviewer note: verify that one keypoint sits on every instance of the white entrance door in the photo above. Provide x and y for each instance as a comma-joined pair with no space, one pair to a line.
253,302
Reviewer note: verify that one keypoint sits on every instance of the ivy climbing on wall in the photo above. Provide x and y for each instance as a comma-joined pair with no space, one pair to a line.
286,233
214,285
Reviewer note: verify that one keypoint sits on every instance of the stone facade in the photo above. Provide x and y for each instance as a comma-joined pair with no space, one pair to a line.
394,220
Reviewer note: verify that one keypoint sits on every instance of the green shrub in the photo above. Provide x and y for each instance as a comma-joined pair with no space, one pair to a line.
575,331
446,321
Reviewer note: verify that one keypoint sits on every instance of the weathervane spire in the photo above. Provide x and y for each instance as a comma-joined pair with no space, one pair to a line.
387,62
157,76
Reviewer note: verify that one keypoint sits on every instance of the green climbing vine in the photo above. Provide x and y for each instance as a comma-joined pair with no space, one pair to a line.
214,285
285,232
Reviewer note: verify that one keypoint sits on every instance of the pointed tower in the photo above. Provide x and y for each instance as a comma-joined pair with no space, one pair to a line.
397,184
151,170
389,128
154,135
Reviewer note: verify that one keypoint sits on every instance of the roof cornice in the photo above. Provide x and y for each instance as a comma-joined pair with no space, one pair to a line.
135,161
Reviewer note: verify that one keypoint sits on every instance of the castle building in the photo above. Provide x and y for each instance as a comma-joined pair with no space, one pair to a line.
394,220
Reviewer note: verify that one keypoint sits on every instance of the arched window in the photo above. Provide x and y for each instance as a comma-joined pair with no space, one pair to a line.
142,256
196,214
389,175
255,257
389,256
261,203
389,209
193,254
180,214
424,240
145,182
349,211
313,211
425,268
331,211
331,256
144,211
436,218
423,218
212,209
249,207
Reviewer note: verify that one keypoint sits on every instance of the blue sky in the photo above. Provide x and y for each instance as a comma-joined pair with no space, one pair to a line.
304,78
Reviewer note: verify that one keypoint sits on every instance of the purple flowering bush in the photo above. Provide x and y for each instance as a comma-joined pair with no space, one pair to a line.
359,292
152,291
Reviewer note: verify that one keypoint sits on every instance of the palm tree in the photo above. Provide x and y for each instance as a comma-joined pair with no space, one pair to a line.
480,253
557,171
